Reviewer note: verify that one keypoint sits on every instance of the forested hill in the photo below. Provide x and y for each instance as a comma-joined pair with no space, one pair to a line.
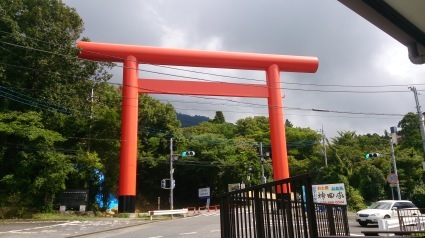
188,121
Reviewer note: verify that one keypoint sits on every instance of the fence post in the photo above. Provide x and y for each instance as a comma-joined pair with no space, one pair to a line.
259,216
311,211
345,220
226,223
330,215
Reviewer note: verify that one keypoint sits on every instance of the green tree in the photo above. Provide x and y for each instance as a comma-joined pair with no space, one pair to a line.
219,118
410,132
372,182
32,169
40,72
225,129
302,143
288,123
256,128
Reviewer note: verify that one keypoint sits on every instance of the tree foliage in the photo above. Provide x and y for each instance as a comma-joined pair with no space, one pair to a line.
410,132
31,167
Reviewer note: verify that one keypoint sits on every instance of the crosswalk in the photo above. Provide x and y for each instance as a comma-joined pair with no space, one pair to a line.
210,214
204,214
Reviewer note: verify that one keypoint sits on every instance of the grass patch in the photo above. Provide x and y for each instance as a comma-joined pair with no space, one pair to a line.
123,215
49,216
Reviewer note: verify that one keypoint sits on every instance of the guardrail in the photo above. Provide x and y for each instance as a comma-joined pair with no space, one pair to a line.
386,224
410,221
168,212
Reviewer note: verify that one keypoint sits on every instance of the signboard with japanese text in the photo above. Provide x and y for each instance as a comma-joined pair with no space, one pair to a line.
330,193
204,193
233,187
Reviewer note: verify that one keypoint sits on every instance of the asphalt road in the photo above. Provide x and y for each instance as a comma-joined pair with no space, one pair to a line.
204,225
38,229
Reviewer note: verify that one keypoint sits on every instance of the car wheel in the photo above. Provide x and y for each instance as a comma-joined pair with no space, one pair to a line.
387,217
363,223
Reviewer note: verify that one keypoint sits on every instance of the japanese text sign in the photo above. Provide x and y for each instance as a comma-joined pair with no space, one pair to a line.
330,193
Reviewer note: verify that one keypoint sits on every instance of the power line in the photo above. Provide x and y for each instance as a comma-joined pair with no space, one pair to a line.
155,72
27,100
234,77
254,103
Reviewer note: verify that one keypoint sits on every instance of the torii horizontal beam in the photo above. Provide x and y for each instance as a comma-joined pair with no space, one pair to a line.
196,58
163,86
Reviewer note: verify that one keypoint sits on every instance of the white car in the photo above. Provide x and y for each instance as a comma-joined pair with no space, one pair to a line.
382,210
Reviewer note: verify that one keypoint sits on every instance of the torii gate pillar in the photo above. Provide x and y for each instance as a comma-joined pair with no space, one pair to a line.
277,124
129,131
131,56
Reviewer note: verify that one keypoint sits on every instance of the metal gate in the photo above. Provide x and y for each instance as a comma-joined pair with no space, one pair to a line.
281,209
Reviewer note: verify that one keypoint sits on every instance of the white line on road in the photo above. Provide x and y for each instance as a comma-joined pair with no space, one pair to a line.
155,237
215,231
188,233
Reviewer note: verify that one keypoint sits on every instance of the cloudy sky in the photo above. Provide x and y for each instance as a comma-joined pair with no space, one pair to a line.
362,71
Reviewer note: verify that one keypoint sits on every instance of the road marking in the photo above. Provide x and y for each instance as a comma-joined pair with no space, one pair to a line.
32,230
188,233
155,237
215,231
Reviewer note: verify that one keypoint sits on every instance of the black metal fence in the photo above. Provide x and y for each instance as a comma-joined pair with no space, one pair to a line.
281,209
332,220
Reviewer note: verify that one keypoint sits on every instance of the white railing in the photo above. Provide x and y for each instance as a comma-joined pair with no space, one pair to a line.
386,224
168,212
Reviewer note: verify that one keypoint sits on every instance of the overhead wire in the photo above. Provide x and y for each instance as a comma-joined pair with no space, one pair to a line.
201,79
233,77
41,105
252,104
24,99
233,101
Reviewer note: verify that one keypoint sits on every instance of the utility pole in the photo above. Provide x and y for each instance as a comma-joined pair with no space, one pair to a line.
395,169
90,117
392,189
171,175
324,147
262,164
420,117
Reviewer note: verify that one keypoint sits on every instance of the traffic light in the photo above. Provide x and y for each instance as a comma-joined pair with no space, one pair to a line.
371,155
188,153
163,183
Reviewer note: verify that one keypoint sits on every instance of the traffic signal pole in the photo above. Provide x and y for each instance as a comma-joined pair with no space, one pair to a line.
395,168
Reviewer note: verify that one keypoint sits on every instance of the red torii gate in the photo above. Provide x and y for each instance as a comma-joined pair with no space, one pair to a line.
131,56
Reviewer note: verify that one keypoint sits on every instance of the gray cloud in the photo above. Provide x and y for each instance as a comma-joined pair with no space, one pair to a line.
351,51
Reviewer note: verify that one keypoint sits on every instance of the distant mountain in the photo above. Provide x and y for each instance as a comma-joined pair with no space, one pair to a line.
188,121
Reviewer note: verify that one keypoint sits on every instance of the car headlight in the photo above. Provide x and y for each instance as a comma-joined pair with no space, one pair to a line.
374,215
